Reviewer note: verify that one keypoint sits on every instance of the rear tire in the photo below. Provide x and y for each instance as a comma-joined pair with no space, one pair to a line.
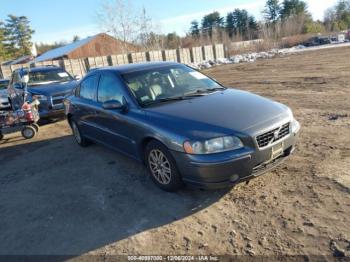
162,167
28,132
79,138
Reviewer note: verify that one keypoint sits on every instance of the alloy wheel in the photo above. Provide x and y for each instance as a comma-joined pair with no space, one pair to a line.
160,166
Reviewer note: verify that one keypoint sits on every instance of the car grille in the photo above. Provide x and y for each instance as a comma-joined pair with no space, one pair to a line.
272,135
58,99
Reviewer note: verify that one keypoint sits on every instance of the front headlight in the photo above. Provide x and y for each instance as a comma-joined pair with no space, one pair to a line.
290,112
295,126
40,97
215,145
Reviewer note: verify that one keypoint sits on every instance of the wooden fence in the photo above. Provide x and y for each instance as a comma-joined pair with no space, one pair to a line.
83,65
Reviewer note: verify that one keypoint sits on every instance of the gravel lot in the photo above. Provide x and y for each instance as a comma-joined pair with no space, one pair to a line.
58,198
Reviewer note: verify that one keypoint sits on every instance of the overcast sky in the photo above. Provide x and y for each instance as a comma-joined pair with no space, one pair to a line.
61,20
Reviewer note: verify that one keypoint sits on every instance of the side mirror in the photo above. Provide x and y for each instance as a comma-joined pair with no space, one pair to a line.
18,85
113,105
25,79
77,77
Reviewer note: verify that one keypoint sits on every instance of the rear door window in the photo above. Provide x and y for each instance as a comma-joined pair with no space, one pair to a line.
88,87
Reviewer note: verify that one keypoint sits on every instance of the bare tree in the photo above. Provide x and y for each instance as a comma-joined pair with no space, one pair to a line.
119,18
129,24
145,29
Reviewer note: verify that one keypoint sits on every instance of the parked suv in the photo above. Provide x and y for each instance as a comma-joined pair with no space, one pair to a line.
50,84
4,98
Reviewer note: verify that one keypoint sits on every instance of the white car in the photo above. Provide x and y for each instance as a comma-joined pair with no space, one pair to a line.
4,97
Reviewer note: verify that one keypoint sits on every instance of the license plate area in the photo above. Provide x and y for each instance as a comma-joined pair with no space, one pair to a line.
276,151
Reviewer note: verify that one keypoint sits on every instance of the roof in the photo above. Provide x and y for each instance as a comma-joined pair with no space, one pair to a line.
19,60
40,69
129,68
64,50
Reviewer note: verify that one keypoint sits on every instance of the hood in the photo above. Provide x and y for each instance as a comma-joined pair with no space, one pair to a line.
53,89
220,113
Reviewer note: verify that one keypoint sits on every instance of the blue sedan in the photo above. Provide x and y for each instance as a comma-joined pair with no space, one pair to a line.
184,126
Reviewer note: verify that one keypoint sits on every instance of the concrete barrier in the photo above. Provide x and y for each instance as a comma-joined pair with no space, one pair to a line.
138,57
119,59
219,51
155,55
208,52
184,55
81,66
197,54
170,55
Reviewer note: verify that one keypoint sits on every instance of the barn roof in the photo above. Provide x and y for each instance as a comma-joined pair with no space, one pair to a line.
20,60
64,50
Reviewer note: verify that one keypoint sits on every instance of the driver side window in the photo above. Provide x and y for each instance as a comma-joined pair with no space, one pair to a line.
109,89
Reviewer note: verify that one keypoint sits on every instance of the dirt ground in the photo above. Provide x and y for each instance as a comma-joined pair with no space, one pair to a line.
58,198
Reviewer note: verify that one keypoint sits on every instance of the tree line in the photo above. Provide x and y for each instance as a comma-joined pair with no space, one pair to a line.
280,18
131,25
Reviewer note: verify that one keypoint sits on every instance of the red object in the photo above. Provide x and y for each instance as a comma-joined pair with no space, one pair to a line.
28,114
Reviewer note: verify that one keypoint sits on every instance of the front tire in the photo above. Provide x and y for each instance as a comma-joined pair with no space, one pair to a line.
79,138
162,167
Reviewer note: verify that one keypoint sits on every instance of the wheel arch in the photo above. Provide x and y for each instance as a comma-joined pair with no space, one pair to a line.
145,141
69,118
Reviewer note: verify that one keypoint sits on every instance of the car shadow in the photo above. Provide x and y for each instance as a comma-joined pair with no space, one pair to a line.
47,121
13,139
59,198
17,138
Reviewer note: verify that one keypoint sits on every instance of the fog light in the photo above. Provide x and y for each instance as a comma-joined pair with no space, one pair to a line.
234,178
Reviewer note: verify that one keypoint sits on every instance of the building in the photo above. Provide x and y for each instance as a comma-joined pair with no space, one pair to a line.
20,60
93,46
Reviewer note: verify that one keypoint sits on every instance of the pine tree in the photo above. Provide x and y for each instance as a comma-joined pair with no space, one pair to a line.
212,21
3,50
18,35
239,22
76,38
194,30
272,11
293,7
230,24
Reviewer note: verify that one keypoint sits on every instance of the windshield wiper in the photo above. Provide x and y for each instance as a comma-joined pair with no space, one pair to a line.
201,92
216,89
162,100
198,92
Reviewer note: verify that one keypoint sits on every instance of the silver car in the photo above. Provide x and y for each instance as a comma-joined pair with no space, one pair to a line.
4,98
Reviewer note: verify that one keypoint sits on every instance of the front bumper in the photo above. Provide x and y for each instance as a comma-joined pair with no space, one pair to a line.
49,111
229,168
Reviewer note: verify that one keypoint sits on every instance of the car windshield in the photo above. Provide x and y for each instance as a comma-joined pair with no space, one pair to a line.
169,83
4,84
48,76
